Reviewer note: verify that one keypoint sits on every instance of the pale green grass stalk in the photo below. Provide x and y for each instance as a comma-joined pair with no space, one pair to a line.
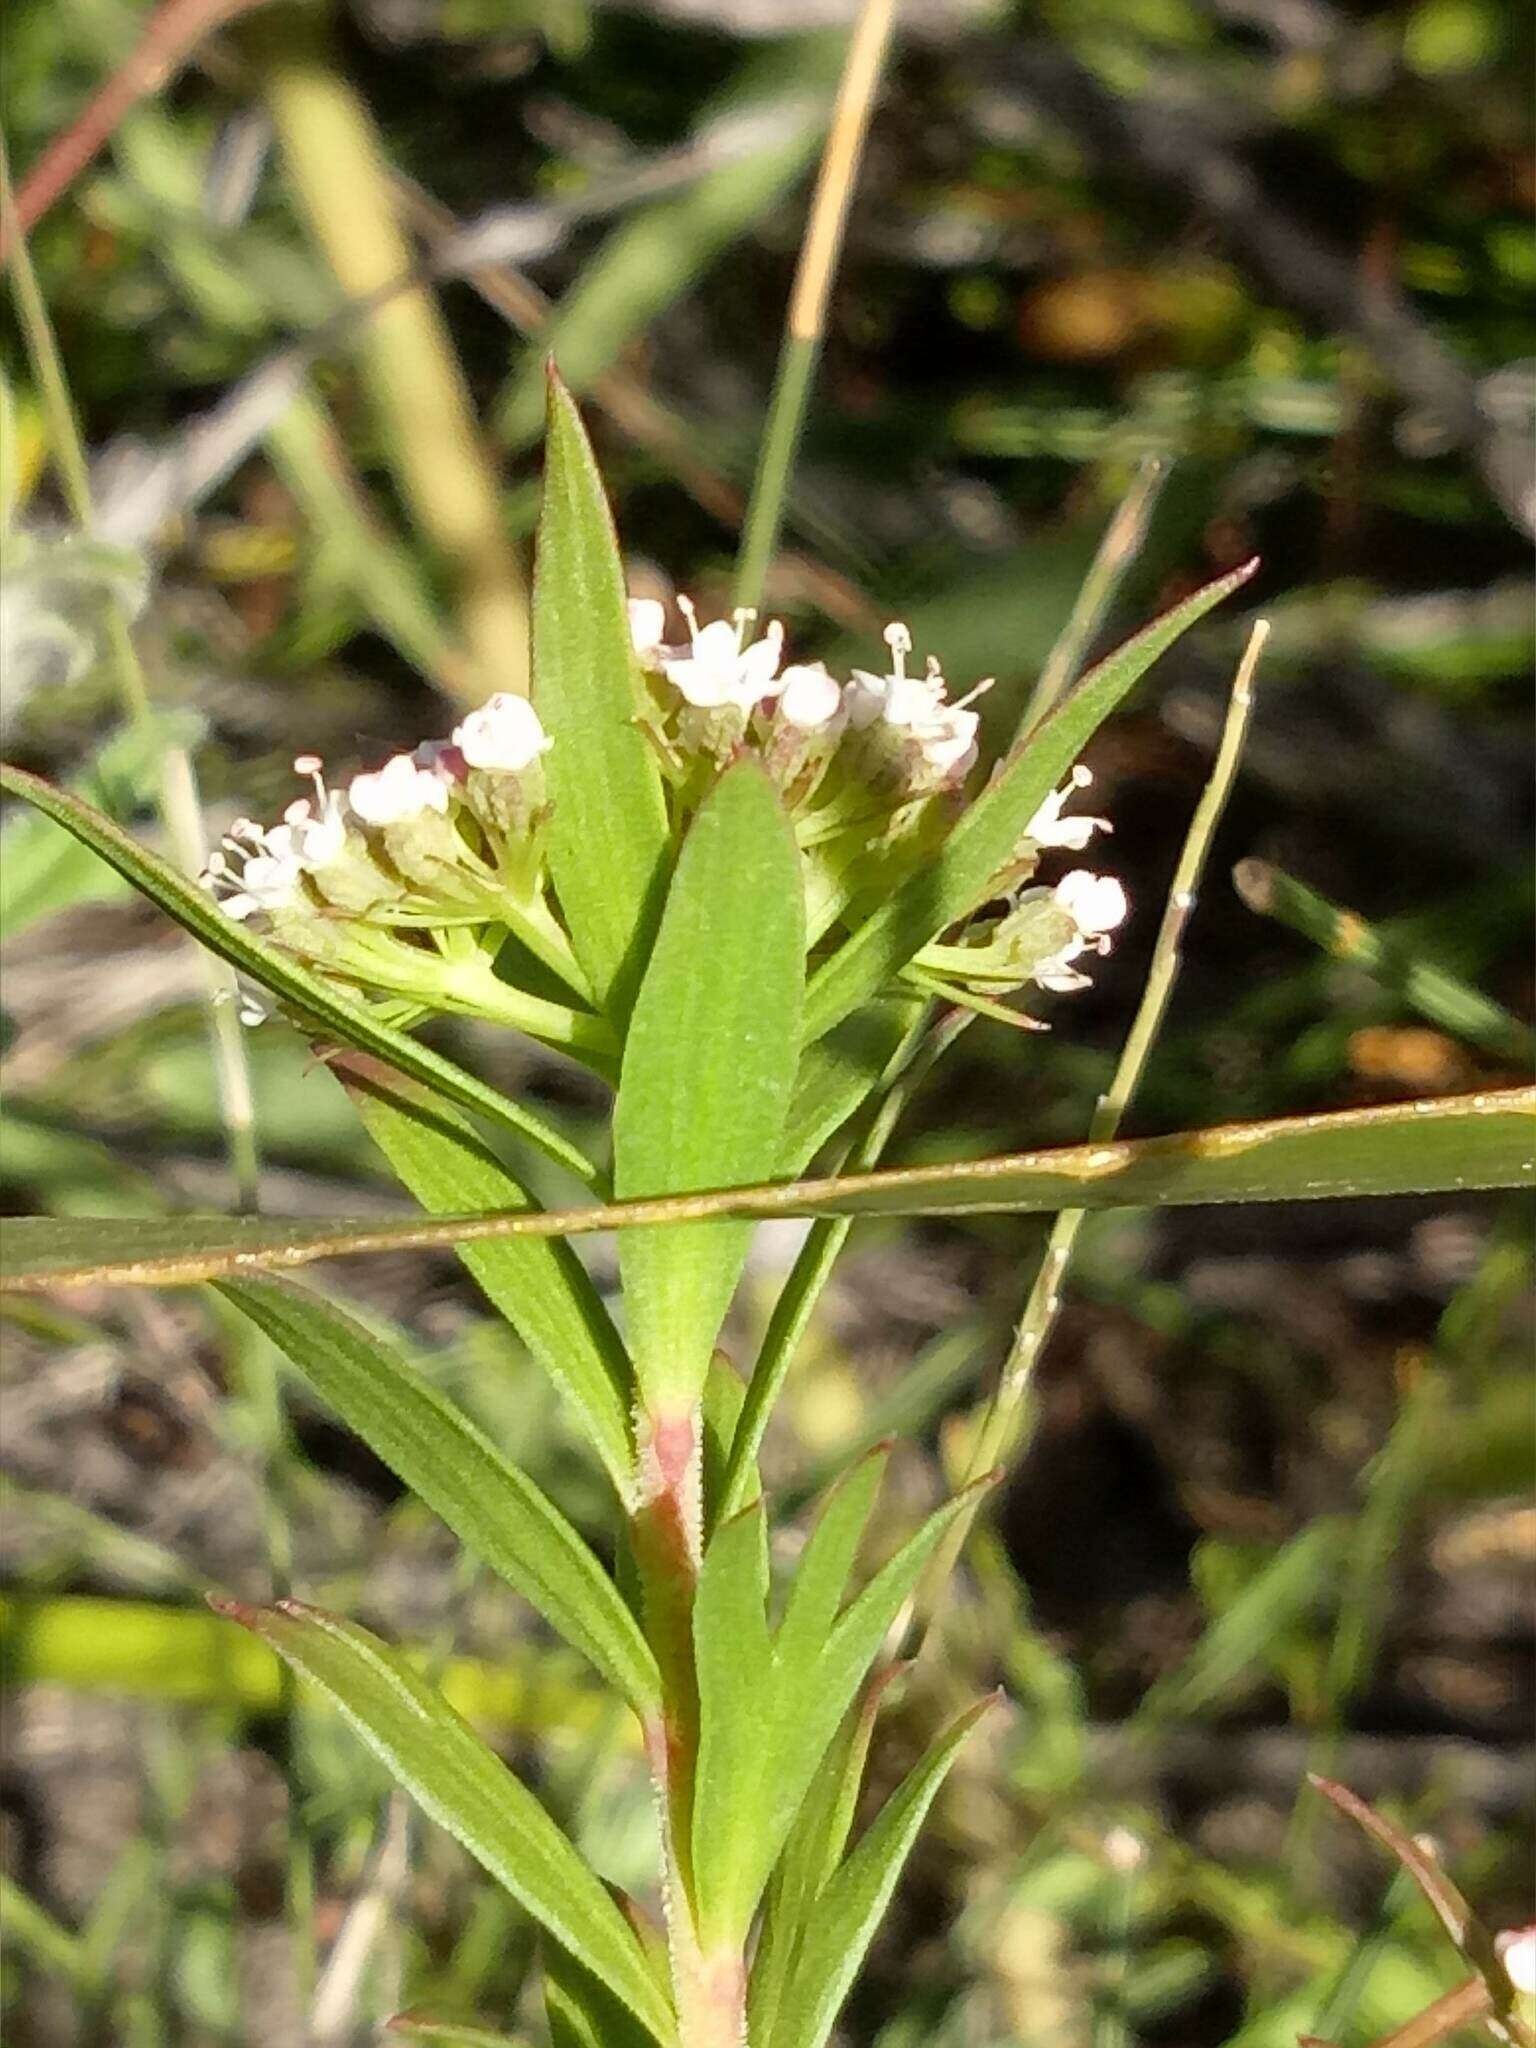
1122,543
1344,935
997,1437
180,809
807,319
335,160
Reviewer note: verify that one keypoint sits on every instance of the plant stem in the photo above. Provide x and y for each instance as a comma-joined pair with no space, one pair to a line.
1116,552
808,299
1002,1425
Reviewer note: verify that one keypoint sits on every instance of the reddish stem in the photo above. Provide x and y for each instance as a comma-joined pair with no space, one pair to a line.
171,34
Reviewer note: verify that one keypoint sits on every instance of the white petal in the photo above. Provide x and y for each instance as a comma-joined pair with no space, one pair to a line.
809,698
504,735
1095,903
397,791
647,623
865,698
1517,1952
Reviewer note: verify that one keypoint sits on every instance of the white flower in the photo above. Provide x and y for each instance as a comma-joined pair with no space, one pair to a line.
721,668
269,875
1517,1952
1049,828
398,791
948,739
503,735
897,698
809,698
916,706
647,623
1097,905
319,829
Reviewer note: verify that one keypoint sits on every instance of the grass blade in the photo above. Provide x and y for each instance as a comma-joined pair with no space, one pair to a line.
1456,1143
1423,985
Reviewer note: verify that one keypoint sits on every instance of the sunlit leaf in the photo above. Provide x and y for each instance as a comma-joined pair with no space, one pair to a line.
466,1789
538,1284
852,1905
608,834
811,1854
769,1708
709,1064
450,1465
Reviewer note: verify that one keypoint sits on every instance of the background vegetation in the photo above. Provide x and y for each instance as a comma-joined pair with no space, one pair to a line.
1273,1514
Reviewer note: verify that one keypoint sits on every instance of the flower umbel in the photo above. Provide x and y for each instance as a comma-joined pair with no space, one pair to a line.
422,886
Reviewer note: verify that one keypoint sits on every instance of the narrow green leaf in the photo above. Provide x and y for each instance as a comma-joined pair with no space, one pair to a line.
985,840
779,1704
539,1285
860,1630
839,1071
852,1906
811,1854
1451,1143
467,1789
821,1575
315,1000
737,1697
608,834
709,1065
582,2012
40,871
724,1395
410,2026
448,1463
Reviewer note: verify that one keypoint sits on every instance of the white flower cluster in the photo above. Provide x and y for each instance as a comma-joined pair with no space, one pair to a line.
722,669
263,869
421,884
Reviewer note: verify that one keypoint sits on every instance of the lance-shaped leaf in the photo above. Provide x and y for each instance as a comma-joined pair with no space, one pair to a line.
840,1071
811,1854
538,1284
323,1009
465,1787
769,1707
1454,1143
852,1905
582,2012
986,838
709,1065
608,833
448,1463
